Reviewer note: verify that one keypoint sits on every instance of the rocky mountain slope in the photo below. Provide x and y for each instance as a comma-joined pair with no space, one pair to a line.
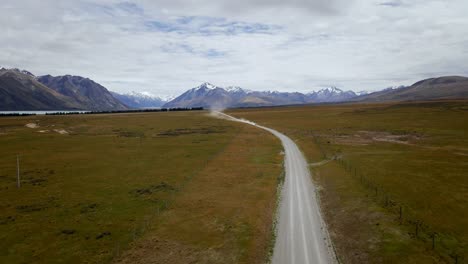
19,90
83,91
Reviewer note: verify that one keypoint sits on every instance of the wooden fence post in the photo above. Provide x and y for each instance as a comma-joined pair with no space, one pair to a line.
18,179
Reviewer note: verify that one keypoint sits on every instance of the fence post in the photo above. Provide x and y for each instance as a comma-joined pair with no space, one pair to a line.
433,236
417,223
455,257
401,215
18,179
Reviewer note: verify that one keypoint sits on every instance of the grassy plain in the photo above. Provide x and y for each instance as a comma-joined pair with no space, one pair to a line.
94,187
383,157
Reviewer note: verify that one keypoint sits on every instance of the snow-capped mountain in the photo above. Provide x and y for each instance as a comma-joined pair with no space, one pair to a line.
211,96
205,95
362,93
331,94
393,88
237,89
140,99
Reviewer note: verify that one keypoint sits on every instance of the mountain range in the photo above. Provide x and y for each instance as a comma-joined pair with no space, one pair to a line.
211,96
21,90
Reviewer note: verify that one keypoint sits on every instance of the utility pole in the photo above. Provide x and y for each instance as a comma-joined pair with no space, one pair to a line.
18,180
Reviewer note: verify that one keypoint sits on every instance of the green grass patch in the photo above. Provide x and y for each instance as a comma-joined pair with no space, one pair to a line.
88,193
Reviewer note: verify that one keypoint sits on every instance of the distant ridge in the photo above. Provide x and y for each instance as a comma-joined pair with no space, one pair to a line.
441,88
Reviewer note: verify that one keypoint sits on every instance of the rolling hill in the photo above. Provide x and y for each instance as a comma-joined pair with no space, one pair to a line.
442,88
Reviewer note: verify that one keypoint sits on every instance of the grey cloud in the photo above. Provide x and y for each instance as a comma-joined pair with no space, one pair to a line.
354,44
391,3
315,6
325,7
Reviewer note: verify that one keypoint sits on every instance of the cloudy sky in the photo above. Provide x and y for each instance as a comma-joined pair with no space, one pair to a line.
167,46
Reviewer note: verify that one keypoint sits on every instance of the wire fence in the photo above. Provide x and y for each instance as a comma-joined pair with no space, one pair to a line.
447,247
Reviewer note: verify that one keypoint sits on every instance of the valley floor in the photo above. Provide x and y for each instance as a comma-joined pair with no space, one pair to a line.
172,187
392,177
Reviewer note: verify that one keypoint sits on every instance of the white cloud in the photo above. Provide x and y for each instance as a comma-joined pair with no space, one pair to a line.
166,47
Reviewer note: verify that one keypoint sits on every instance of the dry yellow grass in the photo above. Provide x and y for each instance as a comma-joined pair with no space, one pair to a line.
225,215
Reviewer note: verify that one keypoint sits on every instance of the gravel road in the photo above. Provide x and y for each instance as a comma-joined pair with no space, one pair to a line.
302,237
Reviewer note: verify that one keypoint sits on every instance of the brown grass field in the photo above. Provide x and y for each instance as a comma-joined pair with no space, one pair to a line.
178,187
380,159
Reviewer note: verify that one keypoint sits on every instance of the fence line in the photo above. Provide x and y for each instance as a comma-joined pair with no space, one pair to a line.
444,245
